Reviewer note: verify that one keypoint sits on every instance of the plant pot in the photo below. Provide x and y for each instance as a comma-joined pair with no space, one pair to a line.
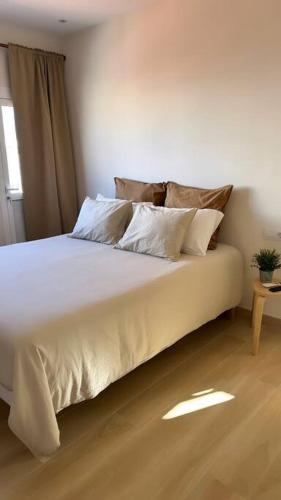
266,276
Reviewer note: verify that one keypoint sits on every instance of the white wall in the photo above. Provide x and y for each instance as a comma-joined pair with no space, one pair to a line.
12,33
31,38
187,90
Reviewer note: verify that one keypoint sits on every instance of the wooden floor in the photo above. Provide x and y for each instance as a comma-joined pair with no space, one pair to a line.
118,446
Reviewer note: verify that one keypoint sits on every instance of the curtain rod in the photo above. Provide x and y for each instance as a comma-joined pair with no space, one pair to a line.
5,46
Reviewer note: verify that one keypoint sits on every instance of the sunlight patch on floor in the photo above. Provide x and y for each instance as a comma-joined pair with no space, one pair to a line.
200,401
207,391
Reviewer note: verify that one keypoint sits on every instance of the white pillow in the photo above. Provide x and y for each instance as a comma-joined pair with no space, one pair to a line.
199,232
100,197
102,221
157,231
134,203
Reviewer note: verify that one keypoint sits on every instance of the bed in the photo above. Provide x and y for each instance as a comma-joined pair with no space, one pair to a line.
76,316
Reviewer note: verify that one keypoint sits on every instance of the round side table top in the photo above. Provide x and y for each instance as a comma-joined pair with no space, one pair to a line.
263,291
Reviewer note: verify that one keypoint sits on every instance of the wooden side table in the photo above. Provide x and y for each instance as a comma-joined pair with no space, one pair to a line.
260,295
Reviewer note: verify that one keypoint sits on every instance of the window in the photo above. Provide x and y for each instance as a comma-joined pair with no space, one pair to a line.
9,150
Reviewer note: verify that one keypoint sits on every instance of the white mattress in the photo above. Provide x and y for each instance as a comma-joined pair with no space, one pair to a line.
76,316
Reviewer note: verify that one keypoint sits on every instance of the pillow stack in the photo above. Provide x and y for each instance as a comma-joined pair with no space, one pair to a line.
188,223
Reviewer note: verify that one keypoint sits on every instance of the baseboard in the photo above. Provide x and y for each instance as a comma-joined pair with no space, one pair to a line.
246,313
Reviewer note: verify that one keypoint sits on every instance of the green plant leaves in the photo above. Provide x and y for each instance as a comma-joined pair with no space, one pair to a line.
267,259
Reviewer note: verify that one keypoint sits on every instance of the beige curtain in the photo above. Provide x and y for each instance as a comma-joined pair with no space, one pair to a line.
38,92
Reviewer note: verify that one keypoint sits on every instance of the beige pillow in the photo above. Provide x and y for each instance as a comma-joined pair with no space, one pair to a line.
157,231
127,189
179,196
102,221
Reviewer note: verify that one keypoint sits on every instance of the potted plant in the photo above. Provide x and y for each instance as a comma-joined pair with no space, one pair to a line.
266,260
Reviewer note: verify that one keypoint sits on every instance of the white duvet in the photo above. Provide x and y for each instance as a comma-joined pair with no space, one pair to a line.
76,316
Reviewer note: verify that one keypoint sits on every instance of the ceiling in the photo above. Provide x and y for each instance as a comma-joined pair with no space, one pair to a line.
44,14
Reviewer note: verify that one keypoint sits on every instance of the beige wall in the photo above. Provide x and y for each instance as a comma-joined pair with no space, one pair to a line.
187,90
23,35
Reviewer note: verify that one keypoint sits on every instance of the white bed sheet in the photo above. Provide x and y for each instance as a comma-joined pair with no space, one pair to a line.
76,316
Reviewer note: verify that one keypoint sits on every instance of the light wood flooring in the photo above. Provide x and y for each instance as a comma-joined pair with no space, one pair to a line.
119,447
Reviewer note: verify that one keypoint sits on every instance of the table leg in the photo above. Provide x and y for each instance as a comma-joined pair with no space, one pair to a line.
253,308
257,321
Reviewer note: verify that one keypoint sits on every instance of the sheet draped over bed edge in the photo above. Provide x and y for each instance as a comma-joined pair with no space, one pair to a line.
108,312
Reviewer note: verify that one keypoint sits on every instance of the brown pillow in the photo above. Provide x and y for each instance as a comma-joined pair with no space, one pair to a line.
127,189
179,196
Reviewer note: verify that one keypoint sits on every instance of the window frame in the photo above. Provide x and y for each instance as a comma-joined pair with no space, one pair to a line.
11,192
